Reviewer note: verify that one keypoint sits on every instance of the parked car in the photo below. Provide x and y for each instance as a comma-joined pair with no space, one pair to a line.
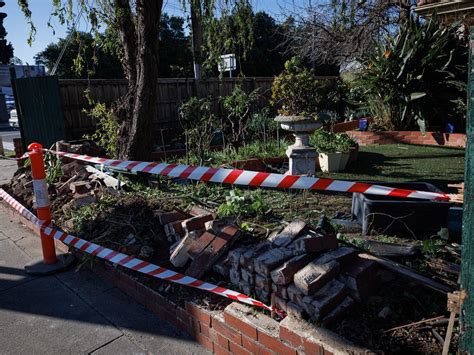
13,119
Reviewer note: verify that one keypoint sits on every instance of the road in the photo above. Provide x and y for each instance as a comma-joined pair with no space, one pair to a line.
7,135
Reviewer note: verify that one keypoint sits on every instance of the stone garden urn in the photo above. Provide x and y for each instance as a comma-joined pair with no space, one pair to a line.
302,156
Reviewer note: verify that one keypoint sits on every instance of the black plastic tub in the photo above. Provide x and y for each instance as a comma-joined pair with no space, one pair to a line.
399,216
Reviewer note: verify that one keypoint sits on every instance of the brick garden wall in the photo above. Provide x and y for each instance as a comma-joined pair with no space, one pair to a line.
410,137
238,329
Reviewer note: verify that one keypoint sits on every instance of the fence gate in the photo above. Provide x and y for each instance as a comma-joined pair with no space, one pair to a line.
39,110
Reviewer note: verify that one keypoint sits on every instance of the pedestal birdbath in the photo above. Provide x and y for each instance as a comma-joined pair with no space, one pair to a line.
302,156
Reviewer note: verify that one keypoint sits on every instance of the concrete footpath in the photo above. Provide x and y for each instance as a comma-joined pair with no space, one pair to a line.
72,312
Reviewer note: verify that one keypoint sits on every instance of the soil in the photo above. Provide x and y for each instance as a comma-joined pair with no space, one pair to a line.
407,303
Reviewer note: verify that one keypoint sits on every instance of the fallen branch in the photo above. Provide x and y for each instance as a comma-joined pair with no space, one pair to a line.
404,271
424,321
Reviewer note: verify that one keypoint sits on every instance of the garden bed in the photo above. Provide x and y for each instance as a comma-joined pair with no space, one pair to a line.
110,220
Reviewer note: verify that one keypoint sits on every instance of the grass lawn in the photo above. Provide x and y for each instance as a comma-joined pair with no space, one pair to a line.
401,162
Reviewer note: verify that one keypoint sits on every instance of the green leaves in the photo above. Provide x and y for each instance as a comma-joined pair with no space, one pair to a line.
329,142
298,92
417,77
242,204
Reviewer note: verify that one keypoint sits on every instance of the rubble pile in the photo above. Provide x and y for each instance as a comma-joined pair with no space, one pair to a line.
198,239
78,185
303,272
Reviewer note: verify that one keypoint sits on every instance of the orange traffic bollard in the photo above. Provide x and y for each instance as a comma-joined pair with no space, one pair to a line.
43,210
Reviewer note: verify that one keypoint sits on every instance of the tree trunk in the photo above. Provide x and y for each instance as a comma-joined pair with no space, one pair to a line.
137,110
196,26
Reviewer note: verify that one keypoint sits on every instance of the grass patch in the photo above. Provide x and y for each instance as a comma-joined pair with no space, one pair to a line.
403,163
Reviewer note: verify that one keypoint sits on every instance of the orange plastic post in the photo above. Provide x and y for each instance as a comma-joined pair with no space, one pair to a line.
43,209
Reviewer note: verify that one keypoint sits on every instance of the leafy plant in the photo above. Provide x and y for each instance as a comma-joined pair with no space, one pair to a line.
198,122
239,107
329,142
297,91
53,168
242,204
262,126
418,76
106,134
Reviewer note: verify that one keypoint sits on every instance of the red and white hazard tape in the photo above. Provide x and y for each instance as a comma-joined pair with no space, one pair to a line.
254,178
127,261
24,156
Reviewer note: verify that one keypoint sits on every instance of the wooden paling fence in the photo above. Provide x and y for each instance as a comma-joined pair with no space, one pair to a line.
171,92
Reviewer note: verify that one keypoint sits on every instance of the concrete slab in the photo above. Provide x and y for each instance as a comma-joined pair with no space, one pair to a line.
31,246
84,282
7,169
12,261
43,316
137,323
122,345
9,227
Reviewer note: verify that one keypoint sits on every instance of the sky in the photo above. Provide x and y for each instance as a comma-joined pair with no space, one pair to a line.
18,29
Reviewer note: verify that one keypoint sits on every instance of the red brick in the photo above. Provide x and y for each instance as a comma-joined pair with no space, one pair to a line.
290,337
198,246
237,349
205,342
244,327
199,313
222,341
250,345
227,332
275,344
312,348
194,223
219,350
212,334
204,329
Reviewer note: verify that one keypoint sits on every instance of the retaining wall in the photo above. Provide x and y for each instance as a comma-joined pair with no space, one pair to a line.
457,140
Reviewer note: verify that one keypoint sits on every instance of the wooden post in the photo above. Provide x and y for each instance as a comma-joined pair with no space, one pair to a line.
467,262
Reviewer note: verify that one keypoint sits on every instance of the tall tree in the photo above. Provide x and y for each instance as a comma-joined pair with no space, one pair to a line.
174,49
343,30
82,58
196,10
6,48
266,56
135,24
231,32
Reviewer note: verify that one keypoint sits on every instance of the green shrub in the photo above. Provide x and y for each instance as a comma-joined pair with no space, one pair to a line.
198,122
239,107
297,91
417,77
262,126
329,142
106,134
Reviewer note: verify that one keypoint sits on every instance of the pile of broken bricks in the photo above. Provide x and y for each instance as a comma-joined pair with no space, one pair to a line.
198,239
303,272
